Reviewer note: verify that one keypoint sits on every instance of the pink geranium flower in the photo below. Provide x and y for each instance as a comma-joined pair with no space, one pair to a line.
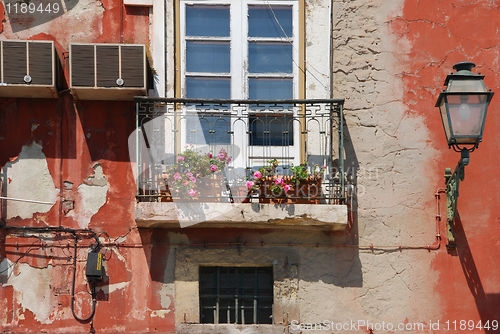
257,175
250,184
286,187
279,180
214,168
180,158
222,155
177,176
192,192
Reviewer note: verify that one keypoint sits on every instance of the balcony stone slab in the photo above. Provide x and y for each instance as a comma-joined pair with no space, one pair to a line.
241,215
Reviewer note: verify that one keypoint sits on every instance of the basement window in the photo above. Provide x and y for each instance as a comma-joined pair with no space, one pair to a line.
236,295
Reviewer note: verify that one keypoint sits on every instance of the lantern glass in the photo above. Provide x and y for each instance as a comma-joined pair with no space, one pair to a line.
472,86
443,108
463,117
467,115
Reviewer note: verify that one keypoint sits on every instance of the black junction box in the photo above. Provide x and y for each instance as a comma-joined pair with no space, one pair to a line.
94,270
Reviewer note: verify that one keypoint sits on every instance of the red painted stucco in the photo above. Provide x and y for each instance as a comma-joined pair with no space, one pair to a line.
77,135
442,33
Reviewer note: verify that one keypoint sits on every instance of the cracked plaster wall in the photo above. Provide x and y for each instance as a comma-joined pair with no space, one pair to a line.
389,151
28,177
35,293
386,154
92,195
83,13
387,160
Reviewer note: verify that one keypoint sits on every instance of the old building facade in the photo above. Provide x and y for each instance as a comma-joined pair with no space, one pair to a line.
102,100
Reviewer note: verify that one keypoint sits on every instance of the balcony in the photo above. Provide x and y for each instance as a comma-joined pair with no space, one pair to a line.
251,134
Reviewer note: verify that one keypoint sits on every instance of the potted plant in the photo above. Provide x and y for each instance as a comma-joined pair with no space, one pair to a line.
195,176
303,185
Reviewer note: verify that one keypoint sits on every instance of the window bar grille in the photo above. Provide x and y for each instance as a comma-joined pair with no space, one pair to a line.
255,295
238,295
236,301
216,315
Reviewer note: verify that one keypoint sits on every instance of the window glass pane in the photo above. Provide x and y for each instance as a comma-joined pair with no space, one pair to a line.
207,310
203,129
208,284
271,130
208,88
207,20
270,21
264,314
211,57
270,88
267,57
248,310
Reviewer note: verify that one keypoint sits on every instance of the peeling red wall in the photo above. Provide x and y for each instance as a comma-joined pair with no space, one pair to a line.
75,136
442,33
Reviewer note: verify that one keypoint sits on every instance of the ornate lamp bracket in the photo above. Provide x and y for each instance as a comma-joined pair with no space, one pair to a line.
452,181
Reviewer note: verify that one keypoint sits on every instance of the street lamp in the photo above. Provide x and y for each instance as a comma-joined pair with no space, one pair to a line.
463,106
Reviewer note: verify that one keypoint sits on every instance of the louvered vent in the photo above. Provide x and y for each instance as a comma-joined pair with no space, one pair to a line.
107,71
27,69
15,64
82,64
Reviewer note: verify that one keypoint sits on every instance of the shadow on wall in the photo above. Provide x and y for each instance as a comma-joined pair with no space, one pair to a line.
488,305
340,265
57,125
106,127
334,261
48,122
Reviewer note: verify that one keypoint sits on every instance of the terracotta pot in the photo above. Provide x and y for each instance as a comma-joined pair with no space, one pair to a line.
165,195
304,192
240,194
209,190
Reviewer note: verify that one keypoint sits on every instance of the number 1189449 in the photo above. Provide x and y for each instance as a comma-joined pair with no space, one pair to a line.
35,7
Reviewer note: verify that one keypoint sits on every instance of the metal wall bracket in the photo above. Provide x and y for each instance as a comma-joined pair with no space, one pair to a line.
452,181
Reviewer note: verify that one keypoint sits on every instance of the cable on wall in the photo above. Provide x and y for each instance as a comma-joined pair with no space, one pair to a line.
74,232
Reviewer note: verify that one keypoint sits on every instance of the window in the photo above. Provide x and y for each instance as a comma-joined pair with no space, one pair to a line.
240,50
236,295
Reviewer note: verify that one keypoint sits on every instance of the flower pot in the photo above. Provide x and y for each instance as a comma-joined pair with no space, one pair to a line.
240,194
210,188
307,191
206,189
165,195
304,192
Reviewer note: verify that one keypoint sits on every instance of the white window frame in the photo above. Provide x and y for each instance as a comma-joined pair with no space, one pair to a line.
240,76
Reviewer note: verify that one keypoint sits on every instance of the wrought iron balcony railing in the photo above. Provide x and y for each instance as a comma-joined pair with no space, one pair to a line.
250,132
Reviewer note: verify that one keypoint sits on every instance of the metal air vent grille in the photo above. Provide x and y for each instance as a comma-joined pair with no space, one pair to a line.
27,69
107,71
108,65
82,65
40,58
14,62
130,68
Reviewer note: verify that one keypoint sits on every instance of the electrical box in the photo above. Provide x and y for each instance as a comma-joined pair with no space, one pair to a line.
94,270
